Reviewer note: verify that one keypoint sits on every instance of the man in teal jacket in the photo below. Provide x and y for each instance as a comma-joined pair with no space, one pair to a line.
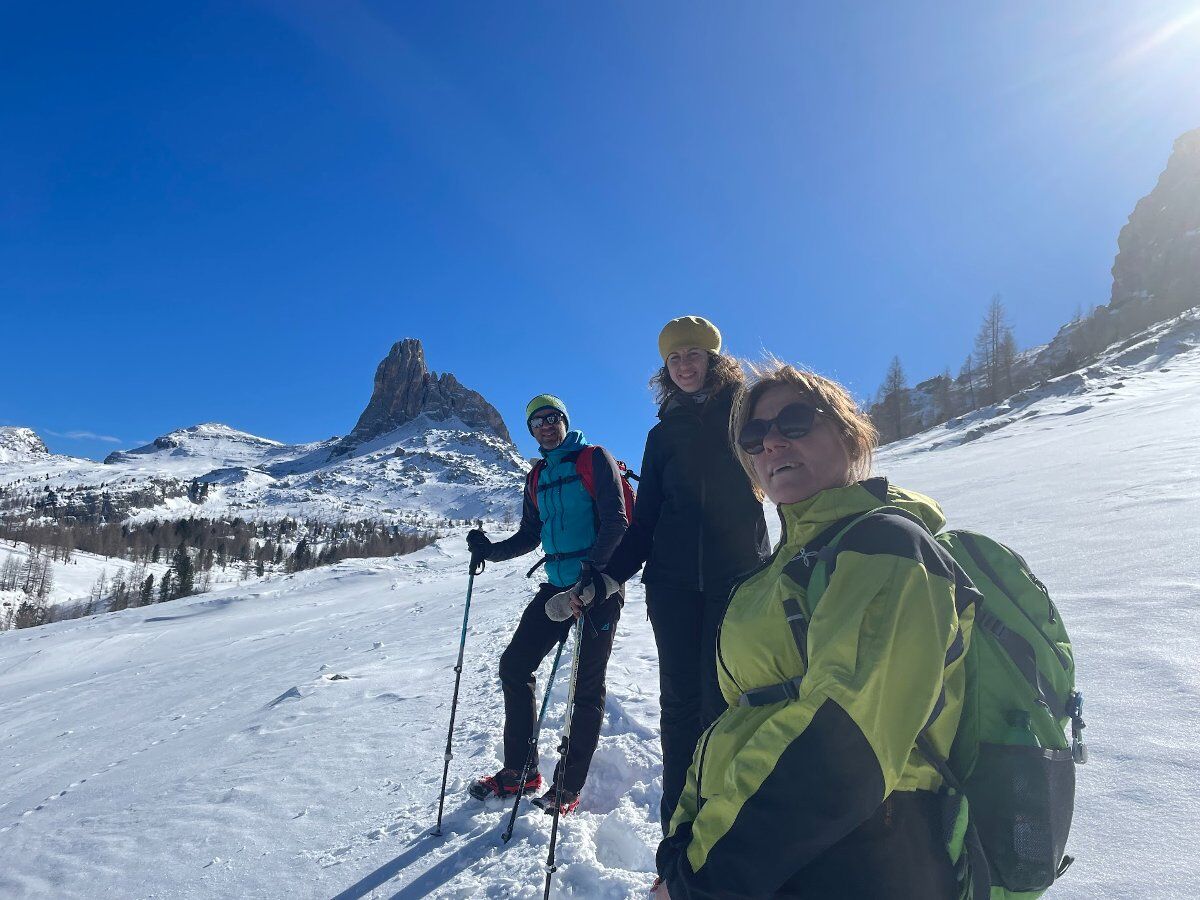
574,506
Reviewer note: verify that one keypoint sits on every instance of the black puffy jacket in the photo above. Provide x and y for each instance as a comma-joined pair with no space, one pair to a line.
696,523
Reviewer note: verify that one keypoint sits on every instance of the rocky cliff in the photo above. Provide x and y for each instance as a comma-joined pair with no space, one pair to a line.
406,389
1158,258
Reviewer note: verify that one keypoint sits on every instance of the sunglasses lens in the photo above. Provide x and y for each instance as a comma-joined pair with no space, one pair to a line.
751,437
796,420
548,419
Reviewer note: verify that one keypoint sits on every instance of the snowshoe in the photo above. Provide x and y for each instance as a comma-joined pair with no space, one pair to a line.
505,783
562,803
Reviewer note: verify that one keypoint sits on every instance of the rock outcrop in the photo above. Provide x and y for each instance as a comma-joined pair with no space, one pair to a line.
18,443
406,389
1156,277
1158,258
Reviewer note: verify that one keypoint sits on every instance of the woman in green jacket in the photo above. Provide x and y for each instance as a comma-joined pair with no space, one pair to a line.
809,784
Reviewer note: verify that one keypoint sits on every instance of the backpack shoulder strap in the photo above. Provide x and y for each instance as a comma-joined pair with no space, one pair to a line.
531,481
585,468
827,550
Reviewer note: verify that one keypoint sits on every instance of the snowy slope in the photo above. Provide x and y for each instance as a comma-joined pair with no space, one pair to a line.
196,450
204,747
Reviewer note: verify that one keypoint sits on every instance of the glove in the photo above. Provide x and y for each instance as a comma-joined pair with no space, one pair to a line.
479,543
558,607
590,586
594,586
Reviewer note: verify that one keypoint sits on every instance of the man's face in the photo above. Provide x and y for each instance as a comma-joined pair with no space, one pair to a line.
548,426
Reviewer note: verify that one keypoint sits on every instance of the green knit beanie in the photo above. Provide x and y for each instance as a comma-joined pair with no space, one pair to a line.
688,331
544,401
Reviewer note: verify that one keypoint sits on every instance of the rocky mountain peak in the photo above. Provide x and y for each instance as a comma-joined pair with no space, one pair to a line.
17,443
1158,261
405,388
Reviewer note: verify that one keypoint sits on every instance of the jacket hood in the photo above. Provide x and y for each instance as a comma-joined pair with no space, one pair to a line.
573,441
805,520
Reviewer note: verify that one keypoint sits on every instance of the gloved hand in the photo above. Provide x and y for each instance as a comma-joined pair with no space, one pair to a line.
591,587
478,543
558,607
594,586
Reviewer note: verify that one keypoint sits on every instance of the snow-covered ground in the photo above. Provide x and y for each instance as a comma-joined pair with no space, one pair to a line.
209,747
205,747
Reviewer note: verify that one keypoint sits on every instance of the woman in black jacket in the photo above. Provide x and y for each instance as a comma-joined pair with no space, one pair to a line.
697,526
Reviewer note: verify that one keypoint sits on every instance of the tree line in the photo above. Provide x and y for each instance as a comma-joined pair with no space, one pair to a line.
185,553
989,374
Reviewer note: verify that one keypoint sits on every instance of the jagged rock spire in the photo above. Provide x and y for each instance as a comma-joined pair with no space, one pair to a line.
405,389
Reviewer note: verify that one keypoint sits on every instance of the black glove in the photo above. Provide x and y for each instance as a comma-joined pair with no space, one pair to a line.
478,543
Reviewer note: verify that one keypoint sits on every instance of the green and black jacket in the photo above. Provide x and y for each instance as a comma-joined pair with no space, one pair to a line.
772,789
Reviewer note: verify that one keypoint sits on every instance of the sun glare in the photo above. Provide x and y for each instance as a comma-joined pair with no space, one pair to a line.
1185,24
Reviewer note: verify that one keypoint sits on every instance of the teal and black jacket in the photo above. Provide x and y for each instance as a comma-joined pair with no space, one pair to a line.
823,789
571,525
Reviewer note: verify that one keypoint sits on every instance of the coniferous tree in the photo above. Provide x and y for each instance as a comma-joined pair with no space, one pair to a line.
894,400
147,595
1006,360
183,573
943,397
968,372
993,343
46,579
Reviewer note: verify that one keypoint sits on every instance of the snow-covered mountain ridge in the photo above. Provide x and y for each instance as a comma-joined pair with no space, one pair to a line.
20,444
285,738
411,459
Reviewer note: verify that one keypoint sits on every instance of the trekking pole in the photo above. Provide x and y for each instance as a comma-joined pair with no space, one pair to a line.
462,643
563,747
533,742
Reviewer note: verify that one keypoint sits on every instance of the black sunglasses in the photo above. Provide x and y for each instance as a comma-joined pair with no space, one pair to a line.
550,418
794,421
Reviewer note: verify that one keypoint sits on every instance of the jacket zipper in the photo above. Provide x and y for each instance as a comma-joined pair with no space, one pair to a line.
721,659
700,768
700,536
738,582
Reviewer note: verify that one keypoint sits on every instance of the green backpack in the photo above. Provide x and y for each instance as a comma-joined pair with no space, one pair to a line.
1011,759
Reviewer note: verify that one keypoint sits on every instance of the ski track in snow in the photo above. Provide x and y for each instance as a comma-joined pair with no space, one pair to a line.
286,737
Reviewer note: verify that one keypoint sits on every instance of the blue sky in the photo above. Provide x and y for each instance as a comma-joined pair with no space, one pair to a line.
230,211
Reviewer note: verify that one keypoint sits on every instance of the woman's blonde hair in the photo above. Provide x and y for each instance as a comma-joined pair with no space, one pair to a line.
723,370
854,428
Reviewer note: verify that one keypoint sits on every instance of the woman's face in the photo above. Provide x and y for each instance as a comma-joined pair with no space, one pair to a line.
791,470
688,367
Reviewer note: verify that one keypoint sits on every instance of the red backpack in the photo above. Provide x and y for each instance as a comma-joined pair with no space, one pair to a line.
585,467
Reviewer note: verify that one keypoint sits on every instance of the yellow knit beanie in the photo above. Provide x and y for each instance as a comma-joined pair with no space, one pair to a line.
688,331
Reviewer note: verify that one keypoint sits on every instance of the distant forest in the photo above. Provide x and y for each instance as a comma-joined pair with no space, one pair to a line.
187,551
991,372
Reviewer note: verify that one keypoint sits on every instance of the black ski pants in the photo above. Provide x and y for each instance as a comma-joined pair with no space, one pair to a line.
536,636
685,626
